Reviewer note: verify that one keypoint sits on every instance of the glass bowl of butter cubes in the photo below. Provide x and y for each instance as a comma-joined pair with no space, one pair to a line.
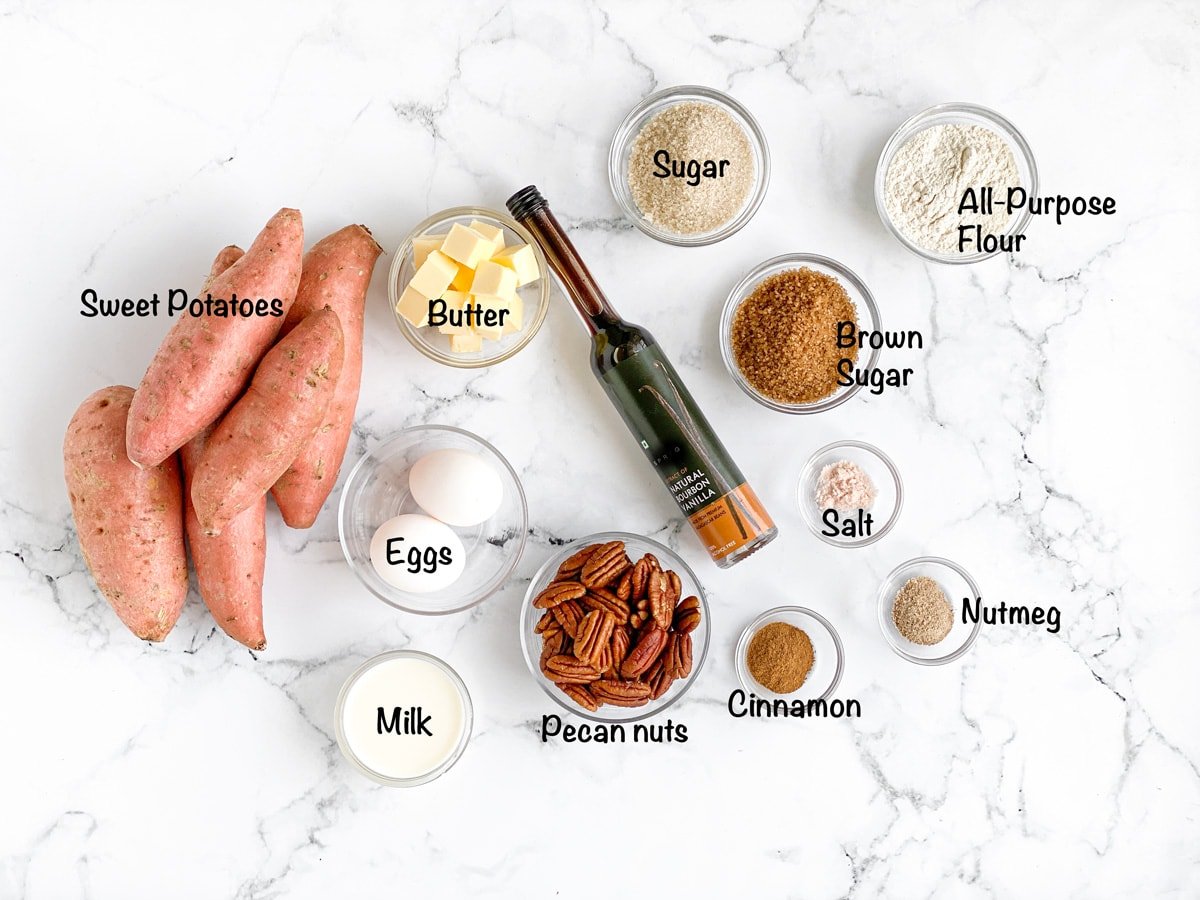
469,287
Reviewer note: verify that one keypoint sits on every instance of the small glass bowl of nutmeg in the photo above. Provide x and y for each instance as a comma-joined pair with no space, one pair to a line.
566,650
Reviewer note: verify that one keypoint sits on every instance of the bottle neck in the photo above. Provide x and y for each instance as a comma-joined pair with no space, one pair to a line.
530,208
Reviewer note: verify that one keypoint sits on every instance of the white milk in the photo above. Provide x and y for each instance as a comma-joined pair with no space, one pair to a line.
403,717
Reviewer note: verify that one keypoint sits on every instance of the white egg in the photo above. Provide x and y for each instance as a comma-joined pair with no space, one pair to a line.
417,554
457,486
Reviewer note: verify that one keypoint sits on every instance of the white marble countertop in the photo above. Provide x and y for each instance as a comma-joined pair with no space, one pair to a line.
1047,444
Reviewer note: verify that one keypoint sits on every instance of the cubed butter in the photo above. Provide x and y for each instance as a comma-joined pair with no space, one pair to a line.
462,280
455,302
493,233
491,314
515,320
521,260
414,307
434,276
423,246
466,246
466,343
495,280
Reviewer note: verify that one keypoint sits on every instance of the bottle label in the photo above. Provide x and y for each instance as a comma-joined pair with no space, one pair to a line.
680,444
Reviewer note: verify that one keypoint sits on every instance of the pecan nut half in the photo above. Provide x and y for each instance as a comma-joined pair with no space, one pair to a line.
580,695
605,565
559,592
592,637
602,598
621,637
553,643
566,669
544,622
649,646
621,693
662,606
625,585
678,658
674,587
687,615
569,615
659,679
573,564
638,578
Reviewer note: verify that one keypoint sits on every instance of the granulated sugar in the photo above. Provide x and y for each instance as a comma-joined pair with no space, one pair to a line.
691,131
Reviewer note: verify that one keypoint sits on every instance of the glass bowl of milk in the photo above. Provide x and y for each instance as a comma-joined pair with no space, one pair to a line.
403,718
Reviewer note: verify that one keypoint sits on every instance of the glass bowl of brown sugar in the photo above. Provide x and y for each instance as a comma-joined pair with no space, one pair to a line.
791,331
770,655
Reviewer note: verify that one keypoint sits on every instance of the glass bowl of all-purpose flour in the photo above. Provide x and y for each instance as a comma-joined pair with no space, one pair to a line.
943,184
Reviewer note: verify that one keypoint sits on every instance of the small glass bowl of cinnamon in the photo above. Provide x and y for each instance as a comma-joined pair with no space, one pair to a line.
828,658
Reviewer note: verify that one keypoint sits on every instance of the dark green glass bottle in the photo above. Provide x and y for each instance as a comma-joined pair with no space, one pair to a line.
707,486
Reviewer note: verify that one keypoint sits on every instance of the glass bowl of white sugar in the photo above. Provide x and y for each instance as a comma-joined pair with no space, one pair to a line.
943,181
689,166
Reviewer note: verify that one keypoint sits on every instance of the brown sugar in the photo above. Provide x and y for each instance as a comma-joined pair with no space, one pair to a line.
784,335
779,657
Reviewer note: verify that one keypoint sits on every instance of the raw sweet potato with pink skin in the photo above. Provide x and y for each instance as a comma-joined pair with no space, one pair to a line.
337,271
230,565
225,258
129,519
204,362
260,436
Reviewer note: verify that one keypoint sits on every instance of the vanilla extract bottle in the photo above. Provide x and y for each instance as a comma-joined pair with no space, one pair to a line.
706,485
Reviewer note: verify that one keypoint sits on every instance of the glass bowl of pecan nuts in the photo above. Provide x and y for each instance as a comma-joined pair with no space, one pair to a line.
615,627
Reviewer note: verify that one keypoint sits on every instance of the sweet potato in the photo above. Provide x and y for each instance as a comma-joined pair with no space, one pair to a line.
225,258
229,566
260,436
129,519
337,271
204,362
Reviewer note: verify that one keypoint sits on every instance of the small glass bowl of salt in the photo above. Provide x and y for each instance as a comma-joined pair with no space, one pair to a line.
850,494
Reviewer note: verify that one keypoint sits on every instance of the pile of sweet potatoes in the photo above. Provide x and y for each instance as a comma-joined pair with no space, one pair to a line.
231,408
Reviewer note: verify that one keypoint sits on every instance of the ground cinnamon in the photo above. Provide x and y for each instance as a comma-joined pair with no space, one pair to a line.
780,657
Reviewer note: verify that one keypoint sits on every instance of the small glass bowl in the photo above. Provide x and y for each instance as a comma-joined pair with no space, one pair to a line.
956,583
828,657
889,499
956,114
860,296
434,773
377,490
622,145
635,546
535,296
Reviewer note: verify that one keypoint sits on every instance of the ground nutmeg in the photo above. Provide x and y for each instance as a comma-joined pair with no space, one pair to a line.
921,611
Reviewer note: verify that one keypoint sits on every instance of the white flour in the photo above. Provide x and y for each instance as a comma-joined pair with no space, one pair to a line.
926,178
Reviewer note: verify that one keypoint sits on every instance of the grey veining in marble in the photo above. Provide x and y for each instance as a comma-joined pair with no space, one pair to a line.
1047,443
